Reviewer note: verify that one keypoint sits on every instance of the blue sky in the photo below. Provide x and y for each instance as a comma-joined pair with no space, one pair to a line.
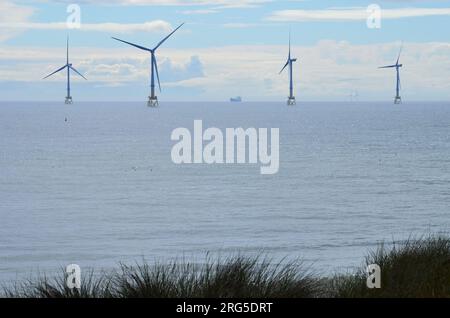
226,48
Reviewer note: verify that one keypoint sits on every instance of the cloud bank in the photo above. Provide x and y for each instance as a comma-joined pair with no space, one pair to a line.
328,70
353,14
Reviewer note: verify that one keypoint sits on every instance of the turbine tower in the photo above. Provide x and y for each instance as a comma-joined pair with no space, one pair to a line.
69,67
152,99
290,61
398,99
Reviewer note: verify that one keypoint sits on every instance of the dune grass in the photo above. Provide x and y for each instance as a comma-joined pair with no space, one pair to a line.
414,269
418,268
92,286
235,277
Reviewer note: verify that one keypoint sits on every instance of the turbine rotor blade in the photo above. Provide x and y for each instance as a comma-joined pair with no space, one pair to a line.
67,60
132,44
399,54
58,70
157,73
163,40
287,63
389,66
73,69
289,44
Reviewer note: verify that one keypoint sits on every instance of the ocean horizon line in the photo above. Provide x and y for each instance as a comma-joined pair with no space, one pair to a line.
227,102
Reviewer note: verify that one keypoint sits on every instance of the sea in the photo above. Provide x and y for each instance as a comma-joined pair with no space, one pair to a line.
94,184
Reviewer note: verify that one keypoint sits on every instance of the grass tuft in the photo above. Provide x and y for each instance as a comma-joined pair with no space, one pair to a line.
417,268
92,286
236,277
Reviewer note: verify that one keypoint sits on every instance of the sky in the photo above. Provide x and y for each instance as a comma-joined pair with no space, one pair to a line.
225,49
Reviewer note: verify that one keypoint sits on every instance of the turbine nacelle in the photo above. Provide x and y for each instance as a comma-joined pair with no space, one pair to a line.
289,61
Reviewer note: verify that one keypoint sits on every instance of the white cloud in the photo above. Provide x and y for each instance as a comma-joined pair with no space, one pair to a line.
11,13
176,72
15,19
201,11
151,26
353,14
224,4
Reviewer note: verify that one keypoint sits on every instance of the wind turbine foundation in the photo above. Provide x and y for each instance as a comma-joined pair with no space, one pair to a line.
69,100
152,101
291,101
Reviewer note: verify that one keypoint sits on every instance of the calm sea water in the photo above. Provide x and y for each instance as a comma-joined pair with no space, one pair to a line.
101,188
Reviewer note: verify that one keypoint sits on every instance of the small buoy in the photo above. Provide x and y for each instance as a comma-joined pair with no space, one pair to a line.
65,119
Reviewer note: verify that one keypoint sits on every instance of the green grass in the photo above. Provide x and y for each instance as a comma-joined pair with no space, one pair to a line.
413,269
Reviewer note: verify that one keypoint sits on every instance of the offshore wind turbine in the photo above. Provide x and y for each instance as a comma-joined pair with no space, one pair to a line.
398,99
290,61
69,67
152,99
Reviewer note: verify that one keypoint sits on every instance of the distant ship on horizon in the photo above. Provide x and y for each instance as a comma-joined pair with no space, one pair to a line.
236,99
